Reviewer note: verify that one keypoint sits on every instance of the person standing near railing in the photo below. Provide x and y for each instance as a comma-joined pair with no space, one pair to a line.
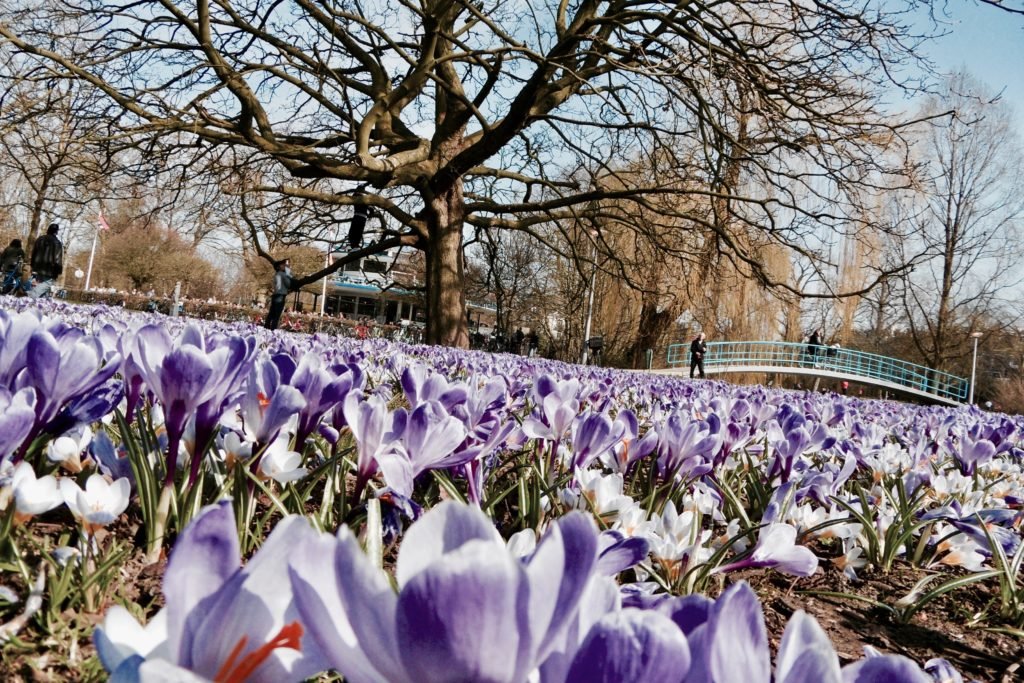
812,346
698,347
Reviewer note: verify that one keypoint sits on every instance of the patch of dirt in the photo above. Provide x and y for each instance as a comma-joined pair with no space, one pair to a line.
940,629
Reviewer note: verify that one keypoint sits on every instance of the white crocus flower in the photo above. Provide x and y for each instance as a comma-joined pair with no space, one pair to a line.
603,493
281,464
67,450
99,504
633,522
522,543
233,448
33,496
851,560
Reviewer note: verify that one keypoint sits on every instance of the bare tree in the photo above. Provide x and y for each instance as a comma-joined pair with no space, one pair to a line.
504,116
970,223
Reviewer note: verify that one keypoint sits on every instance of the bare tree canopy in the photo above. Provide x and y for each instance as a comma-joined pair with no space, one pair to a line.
968,214
511,114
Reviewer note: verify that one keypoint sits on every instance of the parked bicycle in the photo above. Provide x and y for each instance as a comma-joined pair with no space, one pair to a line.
15,282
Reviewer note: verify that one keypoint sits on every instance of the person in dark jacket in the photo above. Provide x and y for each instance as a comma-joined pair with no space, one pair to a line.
47,262
812,346
13,253
282,286
698,347
11,262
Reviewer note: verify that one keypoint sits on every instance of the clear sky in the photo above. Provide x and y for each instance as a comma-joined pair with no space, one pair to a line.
990,43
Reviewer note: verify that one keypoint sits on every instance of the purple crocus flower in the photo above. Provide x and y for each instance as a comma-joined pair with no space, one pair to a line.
222,621
234,356
777,549
323,388
17,415
466,609
429,441
269,403
558,405
15,331
62,371
971,452
794,436
420,385
182,376
376,431
633,645
593,435
684,447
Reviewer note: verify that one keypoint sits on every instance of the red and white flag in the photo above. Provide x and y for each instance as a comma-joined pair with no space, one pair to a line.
103,222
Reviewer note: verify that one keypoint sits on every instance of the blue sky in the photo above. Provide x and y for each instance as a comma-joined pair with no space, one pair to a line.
990,43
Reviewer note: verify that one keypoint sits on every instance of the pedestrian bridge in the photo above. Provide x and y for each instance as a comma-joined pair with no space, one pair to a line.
789,358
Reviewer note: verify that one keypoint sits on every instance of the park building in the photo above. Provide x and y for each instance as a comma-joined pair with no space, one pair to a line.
387,288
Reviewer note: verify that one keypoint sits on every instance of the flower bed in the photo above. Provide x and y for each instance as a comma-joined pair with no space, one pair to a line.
413,513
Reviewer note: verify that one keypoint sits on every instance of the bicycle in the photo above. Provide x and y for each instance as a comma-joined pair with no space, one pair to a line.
14,283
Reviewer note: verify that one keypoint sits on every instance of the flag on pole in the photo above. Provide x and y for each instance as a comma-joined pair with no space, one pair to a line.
103,222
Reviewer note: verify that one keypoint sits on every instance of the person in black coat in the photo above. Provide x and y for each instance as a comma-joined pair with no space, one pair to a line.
282,285
47,262
698,347
13,255
812,346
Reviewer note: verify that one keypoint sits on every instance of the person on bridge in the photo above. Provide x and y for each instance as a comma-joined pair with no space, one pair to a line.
812,346
698,347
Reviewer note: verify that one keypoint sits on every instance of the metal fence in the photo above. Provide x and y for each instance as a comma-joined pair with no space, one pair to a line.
807,359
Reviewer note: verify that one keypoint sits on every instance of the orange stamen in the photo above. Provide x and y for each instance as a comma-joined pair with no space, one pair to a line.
233,671
262,398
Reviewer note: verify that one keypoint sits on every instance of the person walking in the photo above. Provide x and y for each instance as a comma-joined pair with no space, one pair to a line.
10,266
13,254
812,346
282,285
698,347
47,262
517,341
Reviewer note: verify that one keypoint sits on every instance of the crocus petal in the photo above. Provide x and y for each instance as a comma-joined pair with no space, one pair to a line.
458,619
559,572
632,646
205,556
689,612
245,608
739,641
120,636
315,587
443,529
805,649
369,604
885,669
622,555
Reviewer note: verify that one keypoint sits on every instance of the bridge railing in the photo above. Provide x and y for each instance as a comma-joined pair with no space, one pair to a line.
784,355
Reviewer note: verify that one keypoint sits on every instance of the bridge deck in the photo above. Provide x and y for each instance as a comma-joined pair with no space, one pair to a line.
836,363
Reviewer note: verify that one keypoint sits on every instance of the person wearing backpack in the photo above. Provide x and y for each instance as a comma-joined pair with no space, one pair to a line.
47,262
698,347
282,285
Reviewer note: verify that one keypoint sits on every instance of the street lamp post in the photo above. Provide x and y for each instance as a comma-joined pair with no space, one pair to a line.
590,303
974,366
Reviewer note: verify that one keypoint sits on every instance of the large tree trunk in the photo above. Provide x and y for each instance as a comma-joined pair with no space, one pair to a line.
653,326
446,276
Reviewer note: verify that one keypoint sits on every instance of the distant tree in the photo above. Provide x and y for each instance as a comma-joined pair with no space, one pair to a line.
969,222
504,116
145,258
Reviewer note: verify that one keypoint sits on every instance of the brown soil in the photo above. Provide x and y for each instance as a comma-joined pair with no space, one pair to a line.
939,630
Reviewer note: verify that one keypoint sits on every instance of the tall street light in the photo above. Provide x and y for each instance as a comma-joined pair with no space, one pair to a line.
590,302
974,365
